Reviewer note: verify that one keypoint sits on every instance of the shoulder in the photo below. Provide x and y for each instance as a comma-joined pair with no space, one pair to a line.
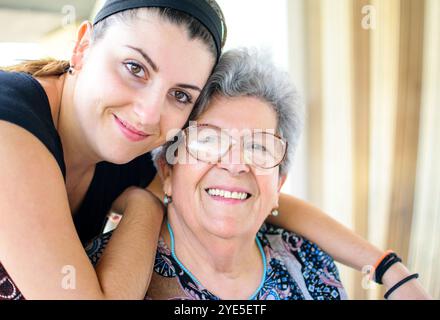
293,257
24,152
308,254
21,87
23,102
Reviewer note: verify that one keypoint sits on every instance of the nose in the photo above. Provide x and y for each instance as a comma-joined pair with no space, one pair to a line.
149,105
234,161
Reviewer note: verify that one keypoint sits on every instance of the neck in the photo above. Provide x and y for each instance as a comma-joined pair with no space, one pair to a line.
220,265
78,157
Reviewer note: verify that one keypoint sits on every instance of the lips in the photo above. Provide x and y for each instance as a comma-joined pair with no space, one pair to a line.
129,131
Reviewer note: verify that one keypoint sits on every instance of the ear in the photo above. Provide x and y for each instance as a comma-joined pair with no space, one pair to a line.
281,181
82,44
165,172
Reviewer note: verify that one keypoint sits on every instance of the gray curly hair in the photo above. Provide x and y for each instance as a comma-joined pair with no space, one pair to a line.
250,72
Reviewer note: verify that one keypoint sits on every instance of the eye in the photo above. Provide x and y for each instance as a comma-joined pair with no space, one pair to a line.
257,146
208,139
182,97
135,69
254,146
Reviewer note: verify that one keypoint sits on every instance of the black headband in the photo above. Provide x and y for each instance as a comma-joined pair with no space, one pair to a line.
198,9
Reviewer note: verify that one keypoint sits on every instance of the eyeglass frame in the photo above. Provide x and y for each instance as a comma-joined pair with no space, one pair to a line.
186,137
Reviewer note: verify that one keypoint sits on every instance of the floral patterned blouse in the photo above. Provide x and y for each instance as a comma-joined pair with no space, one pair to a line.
296,269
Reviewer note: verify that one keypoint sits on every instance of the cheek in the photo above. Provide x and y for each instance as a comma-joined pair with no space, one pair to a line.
268,191
86,105
186,180
172,120
101,84
87,101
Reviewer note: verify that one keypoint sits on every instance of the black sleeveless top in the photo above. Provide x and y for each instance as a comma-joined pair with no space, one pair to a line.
24,102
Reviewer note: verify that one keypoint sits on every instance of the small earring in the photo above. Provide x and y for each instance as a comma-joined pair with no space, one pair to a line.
167,200
275,212
71,70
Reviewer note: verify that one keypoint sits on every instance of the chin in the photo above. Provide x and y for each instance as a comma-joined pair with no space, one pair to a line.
226,228
119,157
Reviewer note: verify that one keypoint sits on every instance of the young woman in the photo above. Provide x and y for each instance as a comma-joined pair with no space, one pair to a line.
74,143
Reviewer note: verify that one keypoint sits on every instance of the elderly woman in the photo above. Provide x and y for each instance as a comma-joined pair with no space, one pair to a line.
222,179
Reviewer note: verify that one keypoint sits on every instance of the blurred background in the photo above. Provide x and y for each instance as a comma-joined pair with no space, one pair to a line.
369,75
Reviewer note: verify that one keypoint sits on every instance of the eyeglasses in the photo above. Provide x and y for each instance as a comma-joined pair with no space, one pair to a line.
210,144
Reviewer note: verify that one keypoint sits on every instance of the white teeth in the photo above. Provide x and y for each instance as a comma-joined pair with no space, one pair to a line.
228,194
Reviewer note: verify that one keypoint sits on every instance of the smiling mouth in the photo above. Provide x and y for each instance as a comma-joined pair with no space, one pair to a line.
228,195
130,127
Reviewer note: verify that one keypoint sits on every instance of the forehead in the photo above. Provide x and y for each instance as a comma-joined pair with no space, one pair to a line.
167,43
240,113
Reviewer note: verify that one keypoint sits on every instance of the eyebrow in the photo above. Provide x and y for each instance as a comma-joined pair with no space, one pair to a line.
156,69
146,57
188,86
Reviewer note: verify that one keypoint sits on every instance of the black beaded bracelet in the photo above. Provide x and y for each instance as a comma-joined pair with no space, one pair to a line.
400,283
384,265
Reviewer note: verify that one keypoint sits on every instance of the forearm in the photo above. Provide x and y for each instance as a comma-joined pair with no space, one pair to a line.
126,266
340,242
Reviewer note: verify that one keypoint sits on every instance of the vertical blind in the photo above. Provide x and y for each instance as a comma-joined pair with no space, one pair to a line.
372,75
